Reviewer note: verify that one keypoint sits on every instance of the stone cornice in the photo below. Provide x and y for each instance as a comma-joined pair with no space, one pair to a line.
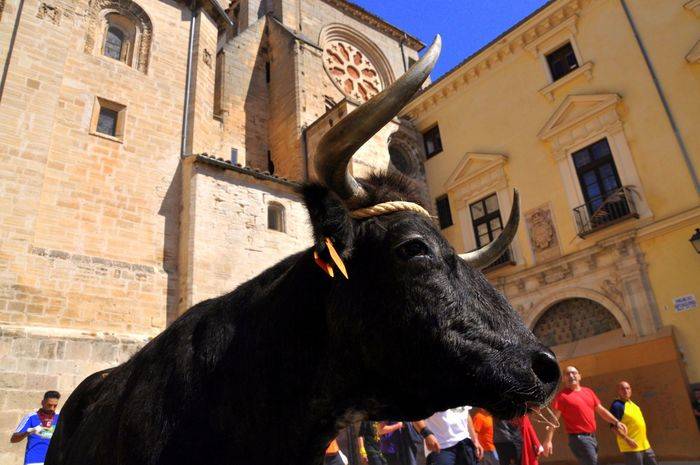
376,22
694,6
530,30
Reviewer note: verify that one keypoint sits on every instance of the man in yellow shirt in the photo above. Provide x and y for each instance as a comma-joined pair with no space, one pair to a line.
634,445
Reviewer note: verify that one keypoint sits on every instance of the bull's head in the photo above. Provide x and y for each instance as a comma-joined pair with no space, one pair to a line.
419,324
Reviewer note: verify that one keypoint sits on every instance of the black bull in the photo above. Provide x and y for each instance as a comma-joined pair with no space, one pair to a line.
268,373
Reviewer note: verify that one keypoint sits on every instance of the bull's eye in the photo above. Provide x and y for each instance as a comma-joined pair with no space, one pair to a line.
412,248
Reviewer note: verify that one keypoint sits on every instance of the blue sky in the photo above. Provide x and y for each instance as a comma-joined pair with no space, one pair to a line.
465,25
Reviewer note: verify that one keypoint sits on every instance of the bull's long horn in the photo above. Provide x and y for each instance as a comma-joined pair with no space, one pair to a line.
486,255
340,143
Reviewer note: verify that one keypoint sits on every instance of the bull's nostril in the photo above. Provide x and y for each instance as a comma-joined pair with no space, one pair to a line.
545,366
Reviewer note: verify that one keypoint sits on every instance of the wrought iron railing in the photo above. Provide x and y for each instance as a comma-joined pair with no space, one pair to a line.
604,211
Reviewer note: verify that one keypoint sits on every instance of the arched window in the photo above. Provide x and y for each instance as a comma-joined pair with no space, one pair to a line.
275,217
402,161
119,37
119,30
114,43
573,319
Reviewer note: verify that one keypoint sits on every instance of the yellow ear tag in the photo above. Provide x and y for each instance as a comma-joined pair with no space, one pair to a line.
323,265
336,257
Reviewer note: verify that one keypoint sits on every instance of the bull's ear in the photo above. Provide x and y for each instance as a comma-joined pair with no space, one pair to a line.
329,218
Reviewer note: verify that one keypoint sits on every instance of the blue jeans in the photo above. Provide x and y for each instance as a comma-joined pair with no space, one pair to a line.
585,448
462,453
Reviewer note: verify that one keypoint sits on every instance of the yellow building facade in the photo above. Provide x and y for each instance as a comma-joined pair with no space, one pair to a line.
591,109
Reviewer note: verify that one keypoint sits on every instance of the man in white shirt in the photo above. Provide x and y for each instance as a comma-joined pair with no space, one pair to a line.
449,438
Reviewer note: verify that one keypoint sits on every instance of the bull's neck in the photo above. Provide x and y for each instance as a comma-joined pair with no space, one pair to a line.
289,376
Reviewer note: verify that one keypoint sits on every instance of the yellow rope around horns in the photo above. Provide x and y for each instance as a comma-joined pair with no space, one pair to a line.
388,207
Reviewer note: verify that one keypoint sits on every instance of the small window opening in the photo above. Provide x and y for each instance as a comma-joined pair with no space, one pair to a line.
432,141
107,121
270,163
114,42
562,61
219,85
275,217
444,213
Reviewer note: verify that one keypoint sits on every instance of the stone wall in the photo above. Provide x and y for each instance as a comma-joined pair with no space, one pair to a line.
246,98
35,360
87,221
224,225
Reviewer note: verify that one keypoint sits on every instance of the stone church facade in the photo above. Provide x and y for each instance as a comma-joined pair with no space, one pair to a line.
151,153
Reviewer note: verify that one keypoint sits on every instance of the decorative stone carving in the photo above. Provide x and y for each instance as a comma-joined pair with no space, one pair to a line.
478,174
206,57
351,71
555,274
543,234
49,12
611,288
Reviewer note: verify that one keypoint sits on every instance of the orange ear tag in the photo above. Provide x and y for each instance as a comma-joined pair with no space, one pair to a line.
336,258
323,265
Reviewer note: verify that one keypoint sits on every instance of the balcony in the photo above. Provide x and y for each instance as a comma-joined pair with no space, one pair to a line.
505,259
603,211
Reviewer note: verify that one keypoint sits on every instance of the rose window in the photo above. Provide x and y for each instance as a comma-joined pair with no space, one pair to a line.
351,71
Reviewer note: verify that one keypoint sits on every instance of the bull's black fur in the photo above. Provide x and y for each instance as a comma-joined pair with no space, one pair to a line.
267,373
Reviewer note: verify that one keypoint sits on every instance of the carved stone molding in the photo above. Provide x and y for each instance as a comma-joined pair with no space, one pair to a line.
613,273
565,127
541,229
96,22
694,6
355,65
518,40
477,174
206,57
52,13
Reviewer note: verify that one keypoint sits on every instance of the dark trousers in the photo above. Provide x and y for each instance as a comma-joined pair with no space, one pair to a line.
585,448
508,453
462,453
645,457
376,459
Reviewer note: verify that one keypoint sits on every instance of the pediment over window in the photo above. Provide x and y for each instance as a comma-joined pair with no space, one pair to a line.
579,110
694,55
477,172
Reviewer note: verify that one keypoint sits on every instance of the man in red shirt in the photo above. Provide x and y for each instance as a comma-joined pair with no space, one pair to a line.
577,406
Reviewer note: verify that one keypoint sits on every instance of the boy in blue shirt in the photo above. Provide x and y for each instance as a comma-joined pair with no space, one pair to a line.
38,427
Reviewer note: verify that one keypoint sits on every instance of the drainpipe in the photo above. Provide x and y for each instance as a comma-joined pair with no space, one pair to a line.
188,83
403,54
10,48
662,96
305,152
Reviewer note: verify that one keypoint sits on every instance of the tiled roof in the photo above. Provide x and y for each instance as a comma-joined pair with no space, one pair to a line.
256,173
